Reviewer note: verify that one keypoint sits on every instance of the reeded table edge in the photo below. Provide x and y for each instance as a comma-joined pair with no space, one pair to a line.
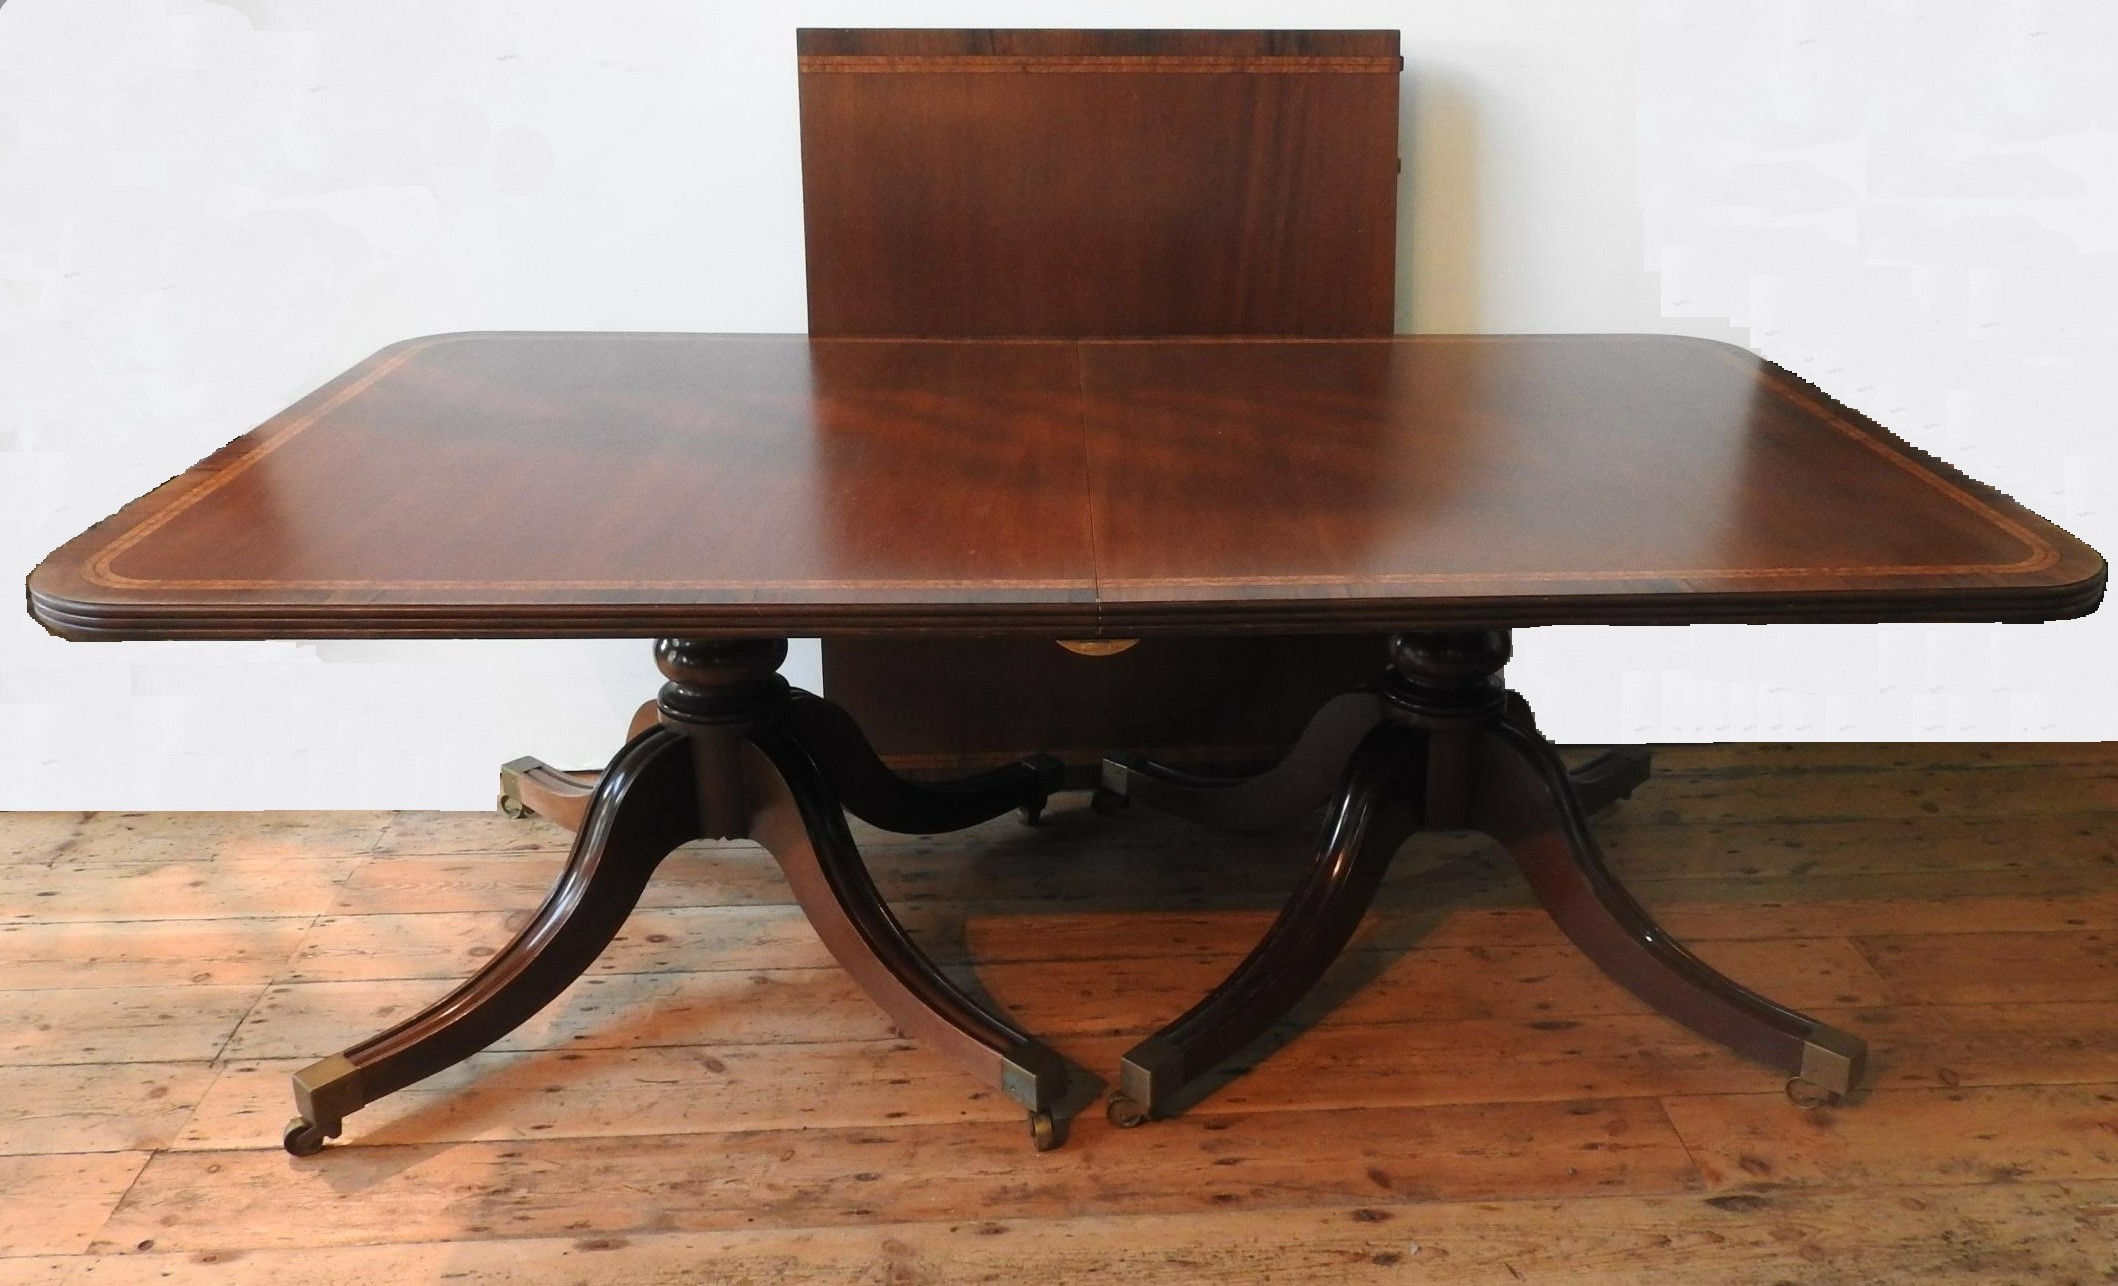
93,622
90,622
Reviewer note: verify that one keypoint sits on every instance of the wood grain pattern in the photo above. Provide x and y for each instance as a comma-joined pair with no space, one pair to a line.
1945,969
99,1107
617,1186
2006,1134
200,886
1531,1122
54,841
1164,184
1456,469
777,485
142,952
54,1204
727,474
171,1022
2046,1232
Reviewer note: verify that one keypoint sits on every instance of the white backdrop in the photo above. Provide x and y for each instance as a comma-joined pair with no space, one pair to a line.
207,208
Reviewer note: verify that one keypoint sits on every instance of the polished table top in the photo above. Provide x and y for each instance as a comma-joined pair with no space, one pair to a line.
556,484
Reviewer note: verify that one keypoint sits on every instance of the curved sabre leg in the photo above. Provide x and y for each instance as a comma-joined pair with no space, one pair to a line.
1376,808
530,785
795,817
642,808
1609,777
870,791
1279,796
1525,801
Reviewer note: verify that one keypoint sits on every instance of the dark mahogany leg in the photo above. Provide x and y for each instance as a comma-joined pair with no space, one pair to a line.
642,808
530,785
1523,797
1376,808
1455,749
1280,796
795,818
735,753
1609,777
760,776
870,791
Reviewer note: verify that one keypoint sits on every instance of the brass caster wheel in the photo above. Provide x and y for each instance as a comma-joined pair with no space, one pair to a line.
1108,803
1125,1113
1808,1095
304,1138
510,801
1044,1133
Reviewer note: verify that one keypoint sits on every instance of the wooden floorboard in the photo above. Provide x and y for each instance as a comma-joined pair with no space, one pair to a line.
1463,1099
850,1175
1987,1235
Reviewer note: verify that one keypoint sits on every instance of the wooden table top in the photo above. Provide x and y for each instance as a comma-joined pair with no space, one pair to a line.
556,485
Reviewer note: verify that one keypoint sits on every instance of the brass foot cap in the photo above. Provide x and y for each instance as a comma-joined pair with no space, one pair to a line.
328,1091
1151,1073
1033,1075
1833,1061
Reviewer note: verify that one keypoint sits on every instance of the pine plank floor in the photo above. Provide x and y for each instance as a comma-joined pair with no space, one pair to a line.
1463,1100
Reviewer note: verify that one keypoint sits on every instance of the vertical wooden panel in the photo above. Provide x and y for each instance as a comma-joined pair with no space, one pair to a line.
1097,183
1118,196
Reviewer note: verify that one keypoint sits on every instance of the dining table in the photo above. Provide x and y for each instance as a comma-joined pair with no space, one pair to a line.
722,494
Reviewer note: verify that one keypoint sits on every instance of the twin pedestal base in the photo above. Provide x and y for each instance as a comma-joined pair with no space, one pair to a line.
733,752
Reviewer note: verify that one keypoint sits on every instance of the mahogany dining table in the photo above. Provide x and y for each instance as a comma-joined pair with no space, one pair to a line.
721,494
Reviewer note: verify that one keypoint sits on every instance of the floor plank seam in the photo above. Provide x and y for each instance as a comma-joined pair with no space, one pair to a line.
119,1204
221,1060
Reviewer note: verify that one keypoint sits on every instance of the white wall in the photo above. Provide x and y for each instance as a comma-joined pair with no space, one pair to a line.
207,208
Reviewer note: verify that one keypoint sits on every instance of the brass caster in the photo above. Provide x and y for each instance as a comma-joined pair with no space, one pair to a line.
1808,1095
1125,1113
1108,803
304,1138
510,801
1044,1133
